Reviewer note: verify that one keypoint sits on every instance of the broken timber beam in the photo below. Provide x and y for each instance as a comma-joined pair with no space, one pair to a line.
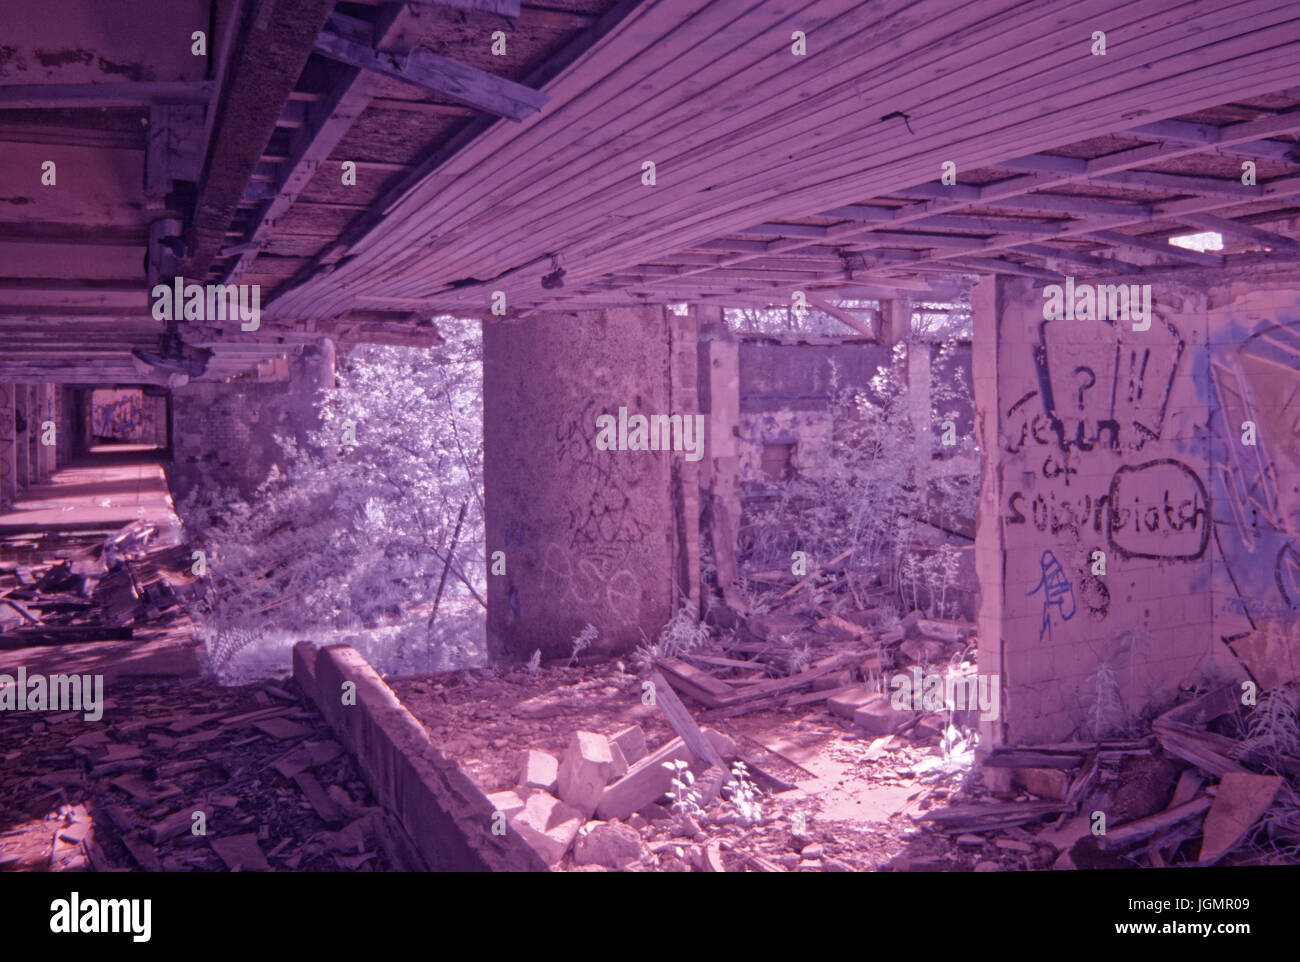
439,75
683,724
273,52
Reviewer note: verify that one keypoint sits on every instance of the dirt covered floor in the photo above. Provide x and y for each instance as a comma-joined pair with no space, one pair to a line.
847,804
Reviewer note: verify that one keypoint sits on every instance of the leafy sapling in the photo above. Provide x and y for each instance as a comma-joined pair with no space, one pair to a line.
743,795
685,796
582,641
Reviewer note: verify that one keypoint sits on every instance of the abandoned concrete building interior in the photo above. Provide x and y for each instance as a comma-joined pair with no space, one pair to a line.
649,435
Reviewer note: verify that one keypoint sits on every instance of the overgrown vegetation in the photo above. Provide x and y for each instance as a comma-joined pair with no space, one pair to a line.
376,523
882,483
683,632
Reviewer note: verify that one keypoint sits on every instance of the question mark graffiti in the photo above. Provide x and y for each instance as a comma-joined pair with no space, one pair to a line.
1092,379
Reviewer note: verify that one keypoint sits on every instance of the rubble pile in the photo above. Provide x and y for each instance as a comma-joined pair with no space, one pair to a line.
259,775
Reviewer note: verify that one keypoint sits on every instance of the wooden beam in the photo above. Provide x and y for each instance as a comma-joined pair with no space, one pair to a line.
1117,239
506,8
787,230
1182,183
1225,226
1102,265
996,265
273,52
843,316
143,93
439,75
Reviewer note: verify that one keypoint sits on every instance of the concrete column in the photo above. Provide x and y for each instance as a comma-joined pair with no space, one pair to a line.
684,398
895,321
48,452
989,549
588,535
325,373
720,383
22,449
918,383
8,449
1094,536
33,434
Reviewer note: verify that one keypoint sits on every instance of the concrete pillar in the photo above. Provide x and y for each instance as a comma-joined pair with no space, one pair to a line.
720,389
1096,445
918,383
325,373
22,449
986,297
895,321
33,434
47,459
684,398
8,449
587,535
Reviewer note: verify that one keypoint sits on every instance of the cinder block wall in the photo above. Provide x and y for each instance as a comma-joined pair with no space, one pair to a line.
1100,445
588,535
1100,438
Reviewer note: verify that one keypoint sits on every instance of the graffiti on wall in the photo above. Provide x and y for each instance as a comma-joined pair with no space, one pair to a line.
1058,593
1257,380
126,416
600,508
594,579
1117,398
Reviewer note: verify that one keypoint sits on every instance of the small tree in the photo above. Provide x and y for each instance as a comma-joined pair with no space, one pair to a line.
376,522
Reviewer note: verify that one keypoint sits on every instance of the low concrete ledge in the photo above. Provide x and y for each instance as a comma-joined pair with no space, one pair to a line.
447,816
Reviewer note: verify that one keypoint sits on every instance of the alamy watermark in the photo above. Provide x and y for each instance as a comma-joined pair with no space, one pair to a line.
83,693
75,915
917,691
211,302
1098,302
656,432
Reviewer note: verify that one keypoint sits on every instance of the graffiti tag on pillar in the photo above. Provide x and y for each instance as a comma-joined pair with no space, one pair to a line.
1057,591
1159,510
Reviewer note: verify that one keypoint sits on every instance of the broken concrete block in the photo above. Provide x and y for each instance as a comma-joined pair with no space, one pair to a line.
878,717
1242,798
632,742
585,770
931,725
539,770
548,825
846,703
611,844
949,632
923,651
508,802
1047,783
619,768
837,679
648,780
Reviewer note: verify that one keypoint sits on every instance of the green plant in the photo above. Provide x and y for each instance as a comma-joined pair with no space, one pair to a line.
743,795
685,796
1272,727
582,641
1104,701
800,658
683,632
